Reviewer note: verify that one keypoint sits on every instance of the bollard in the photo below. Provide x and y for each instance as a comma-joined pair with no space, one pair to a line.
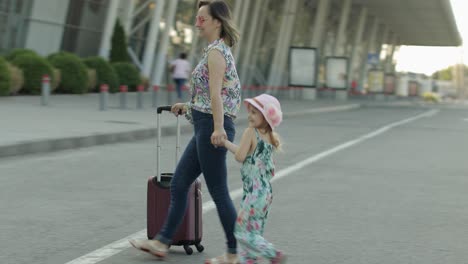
155,95
45,90
103,97
140,90
123,96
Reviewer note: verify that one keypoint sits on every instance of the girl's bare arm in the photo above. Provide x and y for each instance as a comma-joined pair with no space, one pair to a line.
240,152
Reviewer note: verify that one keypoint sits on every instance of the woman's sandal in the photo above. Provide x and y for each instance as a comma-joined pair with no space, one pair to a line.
147,246
222,260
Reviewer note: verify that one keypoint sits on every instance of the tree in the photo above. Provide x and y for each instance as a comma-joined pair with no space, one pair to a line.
118,51
446,74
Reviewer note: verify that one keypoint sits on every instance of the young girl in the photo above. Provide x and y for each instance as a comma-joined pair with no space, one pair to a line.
255,153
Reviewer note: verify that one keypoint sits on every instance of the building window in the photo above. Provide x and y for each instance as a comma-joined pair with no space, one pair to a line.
84,26
13,15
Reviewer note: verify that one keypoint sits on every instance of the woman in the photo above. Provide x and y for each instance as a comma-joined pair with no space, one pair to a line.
215,90
180,69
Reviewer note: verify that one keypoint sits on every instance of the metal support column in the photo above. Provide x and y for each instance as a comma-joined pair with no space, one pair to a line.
129,16
284,52
161,65
242,29
111,17
373,35
282,45
279,40
152,37
390,52
339,49
237,10
371,47
254,72
320,22
250,40
357,41
383,39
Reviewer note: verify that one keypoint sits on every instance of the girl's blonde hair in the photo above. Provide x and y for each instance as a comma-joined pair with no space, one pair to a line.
219,10
274,138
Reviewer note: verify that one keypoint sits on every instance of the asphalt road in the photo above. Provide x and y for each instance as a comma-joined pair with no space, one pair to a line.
396,195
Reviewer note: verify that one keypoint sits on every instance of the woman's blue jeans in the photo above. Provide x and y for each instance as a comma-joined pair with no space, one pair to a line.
201,156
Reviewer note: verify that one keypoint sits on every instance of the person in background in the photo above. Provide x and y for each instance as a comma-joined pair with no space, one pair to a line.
180,69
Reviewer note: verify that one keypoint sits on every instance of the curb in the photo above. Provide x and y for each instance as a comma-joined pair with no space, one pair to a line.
53,145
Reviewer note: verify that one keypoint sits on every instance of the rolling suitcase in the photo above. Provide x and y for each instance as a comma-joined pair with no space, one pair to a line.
159,196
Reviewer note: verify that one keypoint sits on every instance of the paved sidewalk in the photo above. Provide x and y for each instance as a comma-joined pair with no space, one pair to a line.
74,121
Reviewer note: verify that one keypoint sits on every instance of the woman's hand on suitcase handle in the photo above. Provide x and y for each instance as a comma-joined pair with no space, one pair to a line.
179,109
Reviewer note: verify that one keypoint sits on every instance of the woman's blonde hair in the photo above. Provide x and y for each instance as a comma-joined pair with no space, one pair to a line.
219,10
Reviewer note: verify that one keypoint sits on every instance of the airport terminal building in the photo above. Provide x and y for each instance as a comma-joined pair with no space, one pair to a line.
344,39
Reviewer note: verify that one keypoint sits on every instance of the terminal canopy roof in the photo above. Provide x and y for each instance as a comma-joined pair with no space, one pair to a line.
417,22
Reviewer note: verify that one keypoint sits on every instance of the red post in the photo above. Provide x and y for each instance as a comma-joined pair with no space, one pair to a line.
155,97
104,88
123,96
45,78
45,90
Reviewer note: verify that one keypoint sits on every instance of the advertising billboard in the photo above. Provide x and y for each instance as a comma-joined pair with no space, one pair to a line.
302,67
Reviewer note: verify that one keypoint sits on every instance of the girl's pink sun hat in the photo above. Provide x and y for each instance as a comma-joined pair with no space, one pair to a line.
269,106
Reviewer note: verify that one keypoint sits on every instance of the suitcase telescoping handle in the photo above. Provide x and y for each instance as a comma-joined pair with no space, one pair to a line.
158,141
164,108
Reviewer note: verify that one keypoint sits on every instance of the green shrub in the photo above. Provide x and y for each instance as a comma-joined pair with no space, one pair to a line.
33,67
16,52
128,75
5,78
55,80
118,52
104,71
92,80
74,75
17,78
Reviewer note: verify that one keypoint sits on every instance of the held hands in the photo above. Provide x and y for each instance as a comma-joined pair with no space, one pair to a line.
178,109
219,137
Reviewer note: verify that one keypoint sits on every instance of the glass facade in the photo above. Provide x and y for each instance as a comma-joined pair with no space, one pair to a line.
84,26
13,16
85,20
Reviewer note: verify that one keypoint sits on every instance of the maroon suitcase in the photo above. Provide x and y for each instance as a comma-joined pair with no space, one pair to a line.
159,196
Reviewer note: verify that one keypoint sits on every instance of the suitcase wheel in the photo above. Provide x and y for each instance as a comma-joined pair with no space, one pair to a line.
199,247
188,250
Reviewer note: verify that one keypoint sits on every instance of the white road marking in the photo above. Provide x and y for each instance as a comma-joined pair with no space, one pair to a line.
122,244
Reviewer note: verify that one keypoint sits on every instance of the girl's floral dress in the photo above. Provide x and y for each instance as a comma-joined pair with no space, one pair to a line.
257,171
